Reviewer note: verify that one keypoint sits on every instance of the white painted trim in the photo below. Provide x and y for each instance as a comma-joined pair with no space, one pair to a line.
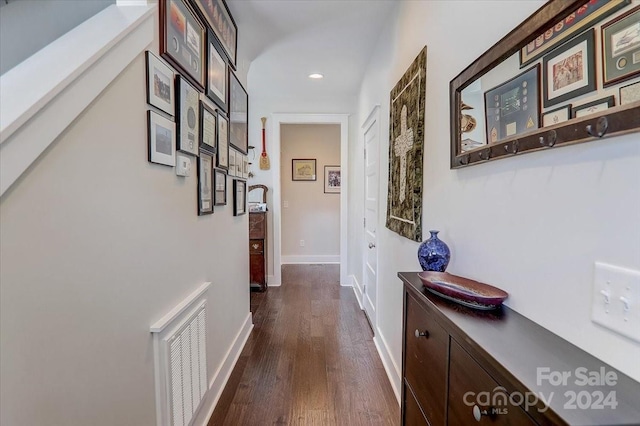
374,114
390,366
277,120
36,106
357,290
221,376
179,309
271,281
311,259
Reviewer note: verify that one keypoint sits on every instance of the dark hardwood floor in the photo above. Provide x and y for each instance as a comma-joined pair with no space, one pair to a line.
310,359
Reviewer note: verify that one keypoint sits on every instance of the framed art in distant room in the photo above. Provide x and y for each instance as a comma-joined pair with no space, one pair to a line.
217,14
187,117
556,116
220,185
239,197
621,47
160,89
161,135
593,107
223,141
183,39
217,75
513,107
332,180
630,93
208,129
238,115
205,184
303,169
570,70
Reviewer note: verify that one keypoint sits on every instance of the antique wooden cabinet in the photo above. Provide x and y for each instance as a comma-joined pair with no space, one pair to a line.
462,366
258,250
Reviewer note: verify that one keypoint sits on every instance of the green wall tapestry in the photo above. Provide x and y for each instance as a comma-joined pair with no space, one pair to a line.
406,140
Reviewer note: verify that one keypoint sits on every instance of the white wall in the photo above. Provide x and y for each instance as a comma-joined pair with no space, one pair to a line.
540,220
98,244
311,215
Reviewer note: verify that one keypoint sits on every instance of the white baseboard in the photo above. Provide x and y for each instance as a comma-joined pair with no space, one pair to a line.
390,366
357,290
220,378
271,281
311,259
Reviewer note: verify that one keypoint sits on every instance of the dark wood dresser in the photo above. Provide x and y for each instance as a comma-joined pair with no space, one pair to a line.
258,250
462,366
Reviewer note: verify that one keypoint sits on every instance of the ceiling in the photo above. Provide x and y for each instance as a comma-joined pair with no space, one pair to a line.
286,40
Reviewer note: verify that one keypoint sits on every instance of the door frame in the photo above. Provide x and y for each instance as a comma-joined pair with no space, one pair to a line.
277,120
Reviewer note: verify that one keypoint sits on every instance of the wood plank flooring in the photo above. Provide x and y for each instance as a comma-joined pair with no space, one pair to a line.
310,359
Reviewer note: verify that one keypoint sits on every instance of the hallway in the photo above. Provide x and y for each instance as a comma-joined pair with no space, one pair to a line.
310,359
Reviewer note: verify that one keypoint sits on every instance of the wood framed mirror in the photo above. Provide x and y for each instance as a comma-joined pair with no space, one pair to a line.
570,73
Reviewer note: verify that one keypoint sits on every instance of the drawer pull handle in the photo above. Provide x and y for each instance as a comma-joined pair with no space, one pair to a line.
478,413
419,333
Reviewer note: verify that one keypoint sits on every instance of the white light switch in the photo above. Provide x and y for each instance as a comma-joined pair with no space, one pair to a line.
285,204
616,299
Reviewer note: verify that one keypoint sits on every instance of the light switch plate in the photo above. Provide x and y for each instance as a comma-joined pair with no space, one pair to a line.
616,299
183,165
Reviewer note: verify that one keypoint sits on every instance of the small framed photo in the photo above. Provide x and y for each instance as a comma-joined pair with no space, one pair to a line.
513,107
232,162
208,129
630,93
238,115
223,141
556,116
332,181
217,75
593,107
621,47
245,166
570,70
303,169
220,185
160,89
239,197
183,39
217,14
161,134
205,184
239,164
187,117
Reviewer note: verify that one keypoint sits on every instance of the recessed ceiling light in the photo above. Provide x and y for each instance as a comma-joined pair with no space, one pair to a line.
316,75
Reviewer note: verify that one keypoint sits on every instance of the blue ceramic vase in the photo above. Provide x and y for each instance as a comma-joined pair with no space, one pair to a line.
434,254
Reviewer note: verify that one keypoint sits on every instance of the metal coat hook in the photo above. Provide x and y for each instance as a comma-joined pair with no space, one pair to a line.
515,145
487,152
553,137
602,125
464,160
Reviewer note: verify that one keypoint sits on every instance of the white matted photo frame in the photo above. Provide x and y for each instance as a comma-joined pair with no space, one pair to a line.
621,47
303,169
217,74
160,88
332,180
232,162
556,116
223,141
593,107
161,135
569,70
187,117
220,187
238,115
208,129
630,93
205,184
239,197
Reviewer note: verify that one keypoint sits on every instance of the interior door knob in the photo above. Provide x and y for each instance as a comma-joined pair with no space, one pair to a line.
371,245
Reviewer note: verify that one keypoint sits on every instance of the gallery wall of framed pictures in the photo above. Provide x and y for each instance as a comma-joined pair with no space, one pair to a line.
197,107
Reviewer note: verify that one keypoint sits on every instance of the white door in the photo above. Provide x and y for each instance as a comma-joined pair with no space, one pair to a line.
369,292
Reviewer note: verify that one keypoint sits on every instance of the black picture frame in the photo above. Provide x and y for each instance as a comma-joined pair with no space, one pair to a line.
220,187
239,197
569,70
205,184
620,52
161,138
513,107
556,116
238,114
183,39
160,84
217,74
604,103
222,157
217,14
208,129
187,117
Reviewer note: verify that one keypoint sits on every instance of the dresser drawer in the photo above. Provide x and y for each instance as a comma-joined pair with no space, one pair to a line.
256,246
467,379
257,225
426,347
412,415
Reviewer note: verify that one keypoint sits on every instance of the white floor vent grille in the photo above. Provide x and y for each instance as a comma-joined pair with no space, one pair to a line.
181,361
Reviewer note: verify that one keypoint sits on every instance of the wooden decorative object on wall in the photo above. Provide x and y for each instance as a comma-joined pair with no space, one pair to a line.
404,201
